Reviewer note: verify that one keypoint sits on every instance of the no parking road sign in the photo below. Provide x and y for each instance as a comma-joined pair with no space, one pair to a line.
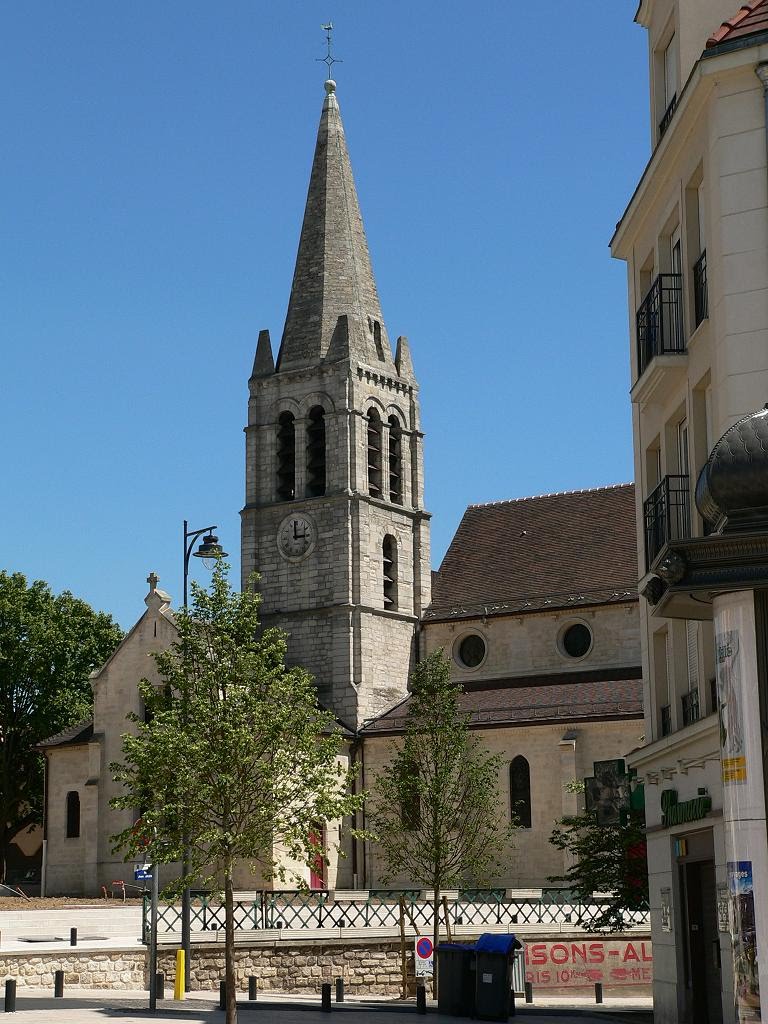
424,956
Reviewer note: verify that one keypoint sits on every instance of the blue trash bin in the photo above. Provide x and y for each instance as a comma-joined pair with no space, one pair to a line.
494,991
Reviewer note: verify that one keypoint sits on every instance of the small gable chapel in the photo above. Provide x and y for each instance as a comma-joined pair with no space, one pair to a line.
535,602
334,519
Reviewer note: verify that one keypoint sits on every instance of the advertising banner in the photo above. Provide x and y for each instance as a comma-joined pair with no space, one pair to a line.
582,962
741,752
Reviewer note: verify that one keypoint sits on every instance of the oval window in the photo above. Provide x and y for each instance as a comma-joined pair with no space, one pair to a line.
577,640
472,650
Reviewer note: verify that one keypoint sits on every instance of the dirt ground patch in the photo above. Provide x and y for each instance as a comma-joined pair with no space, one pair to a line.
61,903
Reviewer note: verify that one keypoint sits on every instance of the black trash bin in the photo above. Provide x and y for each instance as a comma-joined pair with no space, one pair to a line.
494,995
456,979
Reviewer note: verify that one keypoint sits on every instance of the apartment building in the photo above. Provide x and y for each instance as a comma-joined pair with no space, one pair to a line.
695,239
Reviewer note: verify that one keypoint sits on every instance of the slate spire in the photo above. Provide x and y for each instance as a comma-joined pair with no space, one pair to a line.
333,277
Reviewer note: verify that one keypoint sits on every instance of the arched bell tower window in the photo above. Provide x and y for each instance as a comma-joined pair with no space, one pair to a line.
316,452
286,457
73,814
374,453
520,791
389,565
395,461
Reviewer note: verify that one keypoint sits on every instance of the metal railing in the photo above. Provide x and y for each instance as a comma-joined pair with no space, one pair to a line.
296,910
660,320
690,702
668,115
666,720
700,293
667,514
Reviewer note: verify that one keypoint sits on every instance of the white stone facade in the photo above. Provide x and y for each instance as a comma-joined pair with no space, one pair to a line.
701,206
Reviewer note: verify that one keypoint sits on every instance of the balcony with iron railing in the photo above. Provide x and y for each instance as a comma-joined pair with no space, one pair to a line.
700,295
666,720
690,703
667,515
668,115
660,321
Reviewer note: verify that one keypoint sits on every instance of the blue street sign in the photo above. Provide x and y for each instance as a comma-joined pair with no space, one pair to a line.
142,874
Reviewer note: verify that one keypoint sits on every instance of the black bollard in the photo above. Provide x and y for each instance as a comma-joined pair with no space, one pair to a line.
58,984
73,936
10,995
421,999
159,985
325,997
339,990
598,992
222,995
528,992
252,989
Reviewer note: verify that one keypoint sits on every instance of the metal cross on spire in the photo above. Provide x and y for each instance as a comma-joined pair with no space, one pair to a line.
328,59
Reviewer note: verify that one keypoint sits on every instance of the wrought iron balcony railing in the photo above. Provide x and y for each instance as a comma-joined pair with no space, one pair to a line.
667,513
668,115
700,296
660,320
690,707
666,720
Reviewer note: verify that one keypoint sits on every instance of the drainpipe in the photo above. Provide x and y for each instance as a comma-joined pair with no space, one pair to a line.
762,73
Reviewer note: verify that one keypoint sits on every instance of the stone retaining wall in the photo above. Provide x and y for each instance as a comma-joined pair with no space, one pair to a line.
118,969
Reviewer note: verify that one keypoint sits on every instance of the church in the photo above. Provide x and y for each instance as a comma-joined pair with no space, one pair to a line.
535,602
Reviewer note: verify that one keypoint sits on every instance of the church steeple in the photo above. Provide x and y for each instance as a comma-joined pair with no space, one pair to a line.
334,303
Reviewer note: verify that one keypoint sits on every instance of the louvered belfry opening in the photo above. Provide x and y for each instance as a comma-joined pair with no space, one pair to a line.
316,452
395,461
286,457
374,453
389,561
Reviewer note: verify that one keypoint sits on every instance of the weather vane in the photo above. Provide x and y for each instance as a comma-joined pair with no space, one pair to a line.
328,59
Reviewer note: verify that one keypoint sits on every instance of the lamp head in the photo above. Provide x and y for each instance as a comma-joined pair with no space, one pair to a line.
210,551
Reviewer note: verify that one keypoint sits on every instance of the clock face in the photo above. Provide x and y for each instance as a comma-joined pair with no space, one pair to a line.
296,536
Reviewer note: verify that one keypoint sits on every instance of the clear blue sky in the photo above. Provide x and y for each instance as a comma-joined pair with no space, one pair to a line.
155,163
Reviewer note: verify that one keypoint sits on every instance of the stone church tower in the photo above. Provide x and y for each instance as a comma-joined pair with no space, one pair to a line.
334,518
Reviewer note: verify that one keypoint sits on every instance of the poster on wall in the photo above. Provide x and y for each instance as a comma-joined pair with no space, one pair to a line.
666,910
730,698
744,938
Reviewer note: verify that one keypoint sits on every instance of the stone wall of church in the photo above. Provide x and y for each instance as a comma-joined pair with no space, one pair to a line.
554,762
530,644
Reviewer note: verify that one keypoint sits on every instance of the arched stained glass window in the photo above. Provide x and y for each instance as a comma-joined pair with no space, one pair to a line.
520,791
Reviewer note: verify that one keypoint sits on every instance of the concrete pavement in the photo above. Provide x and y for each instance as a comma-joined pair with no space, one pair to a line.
202,1008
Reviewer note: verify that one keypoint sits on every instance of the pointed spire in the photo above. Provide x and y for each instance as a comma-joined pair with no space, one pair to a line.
263,363
333,276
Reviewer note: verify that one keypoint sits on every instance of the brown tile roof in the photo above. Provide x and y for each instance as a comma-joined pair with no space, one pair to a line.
751,17
533,554
550,699
81,732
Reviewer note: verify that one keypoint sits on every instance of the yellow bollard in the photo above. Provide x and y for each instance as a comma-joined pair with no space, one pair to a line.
178,984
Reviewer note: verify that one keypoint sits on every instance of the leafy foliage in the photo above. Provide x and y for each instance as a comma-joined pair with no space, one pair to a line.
49,644
607,859
236,759
435,808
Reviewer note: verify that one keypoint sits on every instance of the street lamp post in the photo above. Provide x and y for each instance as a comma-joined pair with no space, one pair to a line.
209,549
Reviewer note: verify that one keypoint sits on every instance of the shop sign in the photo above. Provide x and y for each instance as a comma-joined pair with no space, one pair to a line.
570,964
674,813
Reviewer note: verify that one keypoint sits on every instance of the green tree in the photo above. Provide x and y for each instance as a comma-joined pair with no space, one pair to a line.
236,757
608,859
49,644
435,809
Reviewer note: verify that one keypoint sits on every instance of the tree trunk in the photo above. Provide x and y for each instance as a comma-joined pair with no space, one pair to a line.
229,946
435,936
